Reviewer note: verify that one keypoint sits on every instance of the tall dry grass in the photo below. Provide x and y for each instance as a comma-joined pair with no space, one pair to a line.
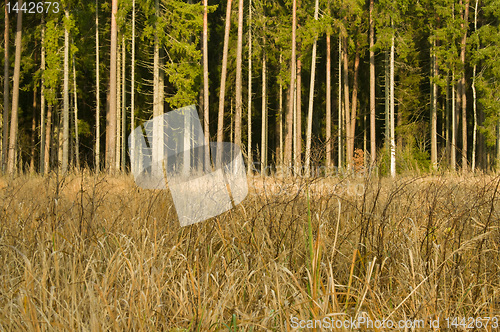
95,253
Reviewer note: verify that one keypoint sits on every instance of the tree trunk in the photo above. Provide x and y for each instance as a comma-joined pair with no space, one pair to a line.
354,104
222,92
249,120
42,101
111,113
132,94
328,135
340,109
239,97
33,130
124,117
453,156
373,145
280,106
206,91
433,107
311,96
264,135
347,113
391,84
11,162
48,140
97,95
291,99
65,138
297,138
77,141
462,91
474,106
118,106
6,93
158,142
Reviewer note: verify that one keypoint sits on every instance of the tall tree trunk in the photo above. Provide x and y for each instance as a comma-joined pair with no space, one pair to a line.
239,97
391,84
97,94
474,106
297,138
434,74
264,135
340,108
118,106
222,92
347,113
33,129
291,99
6,93
373,143
158,151
311,96
280,106
77,141
48,139
206,91
11,162
354,104
328,135
124,116
42,101
132,94
464,25
453,156
111,113
65,138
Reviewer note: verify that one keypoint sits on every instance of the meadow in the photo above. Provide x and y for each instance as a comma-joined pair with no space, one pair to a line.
93,252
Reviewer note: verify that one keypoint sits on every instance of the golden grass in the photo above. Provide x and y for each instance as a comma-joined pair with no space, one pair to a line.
95,253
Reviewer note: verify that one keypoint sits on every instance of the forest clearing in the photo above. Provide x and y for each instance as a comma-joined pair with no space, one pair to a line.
94,252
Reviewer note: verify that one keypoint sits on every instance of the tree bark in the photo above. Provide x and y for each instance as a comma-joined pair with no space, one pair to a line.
340,108
297,138
354,104
77,141
311,96
464,25
11,162
111,113
264,135
373,143
124,116
391,85
65,138
239,97
433,107
206,91
347,113
42,101
249,120
6,93
328,135
474,106
222,92
97,95
118,106
291,99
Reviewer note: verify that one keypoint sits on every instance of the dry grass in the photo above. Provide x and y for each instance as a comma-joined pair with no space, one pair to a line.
94,253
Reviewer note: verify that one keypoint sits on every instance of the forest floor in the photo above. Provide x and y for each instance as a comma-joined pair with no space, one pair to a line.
95,253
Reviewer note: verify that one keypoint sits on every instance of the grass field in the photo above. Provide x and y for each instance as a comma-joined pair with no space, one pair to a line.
95,253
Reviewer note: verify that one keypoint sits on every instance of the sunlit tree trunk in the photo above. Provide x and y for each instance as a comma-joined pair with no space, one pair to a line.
297,120
433,107
373,143
311,96
77,141
474,105
111,113
264,135
222,92
462,90
340,108
328,135
239,60
391,85
6,75
206,91
42,101
347,113
124,117
65,138
354,104
291,99
97,95
453,160
11,162
118,106
280,106
33,129
249,119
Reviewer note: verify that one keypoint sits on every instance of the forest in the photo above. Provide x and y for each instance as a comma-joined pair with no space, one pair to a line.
406,85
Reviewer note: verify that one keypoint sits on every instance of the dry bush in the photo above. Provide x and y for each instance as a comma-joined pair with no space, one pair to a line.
94,252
